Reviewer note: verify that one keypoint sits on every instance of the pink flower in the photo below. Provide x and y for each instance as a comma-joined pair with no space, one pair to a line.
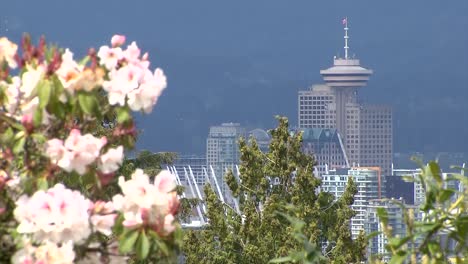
55,149
69,72
103,223
117,40
111,160
101,207
57,215
122,82
146,96
165,182
45,253
169,224
109,57
77,152
132,53
143,203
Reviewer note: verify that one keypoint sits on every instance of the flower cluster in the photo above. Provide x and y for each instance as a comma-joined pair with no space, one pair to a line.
78,151
52,109
20,93
143,203
45,253
131,80
74,76
58,215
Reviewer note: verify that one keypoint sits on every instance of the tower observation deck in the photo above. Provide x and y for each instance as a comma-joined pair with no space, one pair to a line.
346,72
343,78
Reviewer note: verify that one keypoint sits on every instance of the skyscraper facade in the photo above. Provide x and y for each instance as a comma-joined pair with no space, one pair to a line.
395,219
326,146
222,149
366,129
368,182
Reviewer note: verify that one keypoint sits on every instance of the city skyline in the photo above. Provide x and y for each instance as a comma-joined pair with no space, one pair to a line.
217,72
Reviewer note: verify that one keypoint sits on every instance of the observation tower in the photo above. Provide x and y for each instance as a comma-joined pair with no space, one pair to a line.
344,78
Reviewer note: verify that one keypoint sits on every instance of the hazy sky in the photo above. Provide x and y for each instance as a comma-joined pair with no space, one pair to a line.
245,60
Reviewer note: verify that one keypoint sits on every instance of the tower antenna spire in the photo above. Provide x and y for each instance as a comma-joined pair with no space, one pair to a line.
346,37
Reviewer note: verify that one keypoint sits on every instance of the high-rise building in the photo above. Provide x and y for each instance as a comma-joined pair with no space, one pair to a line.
326,146
395,218
222,144
397,187
368,182
366,130
222,149
262,138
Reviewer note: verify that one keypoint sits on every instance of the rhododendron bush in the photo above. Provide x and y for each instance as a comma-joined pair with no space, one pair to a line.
64,126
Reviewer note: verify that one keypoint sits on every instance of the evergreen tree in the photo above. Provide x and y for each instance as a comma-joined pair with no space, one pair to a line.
262,231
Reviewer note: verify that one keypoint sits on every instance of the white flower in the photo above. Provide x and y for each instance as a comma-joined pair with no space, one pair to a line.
8,51
69,72
130,82
109,57
45,254
111,160
132,52
55,149
122,82
30,79
77,152
103,223
58,215
143,202
12,93
146,96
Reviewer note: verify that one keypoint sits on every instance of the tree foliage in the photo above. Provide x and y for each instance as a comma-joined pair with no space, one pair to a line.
261,232
440,235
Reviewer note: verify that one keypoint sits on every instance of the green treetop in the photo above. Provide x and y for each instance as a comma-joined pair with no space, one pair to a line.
262,231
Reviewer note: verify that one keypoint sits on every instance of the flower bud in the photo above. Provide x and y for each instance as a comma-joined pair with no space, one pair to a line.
117,40
27,122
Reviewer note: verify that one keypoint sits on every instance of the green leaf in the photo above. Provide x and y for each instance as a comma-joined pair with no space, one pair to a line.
123,115
142,246
445,195
383,215
7,136
44,89
408,178
399,258
127,241
428,227
162,246
42,184
373,234
84,61
88,103
37,117
19,146
397,242
433,169
281,260
40,138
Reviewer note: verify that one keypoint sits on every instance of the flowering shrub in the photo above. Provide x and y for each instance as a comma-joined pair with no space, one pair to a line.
64,126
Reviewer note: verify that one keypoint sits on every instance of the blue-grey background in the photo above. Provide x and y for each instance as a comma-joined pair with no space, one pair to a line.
245,60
